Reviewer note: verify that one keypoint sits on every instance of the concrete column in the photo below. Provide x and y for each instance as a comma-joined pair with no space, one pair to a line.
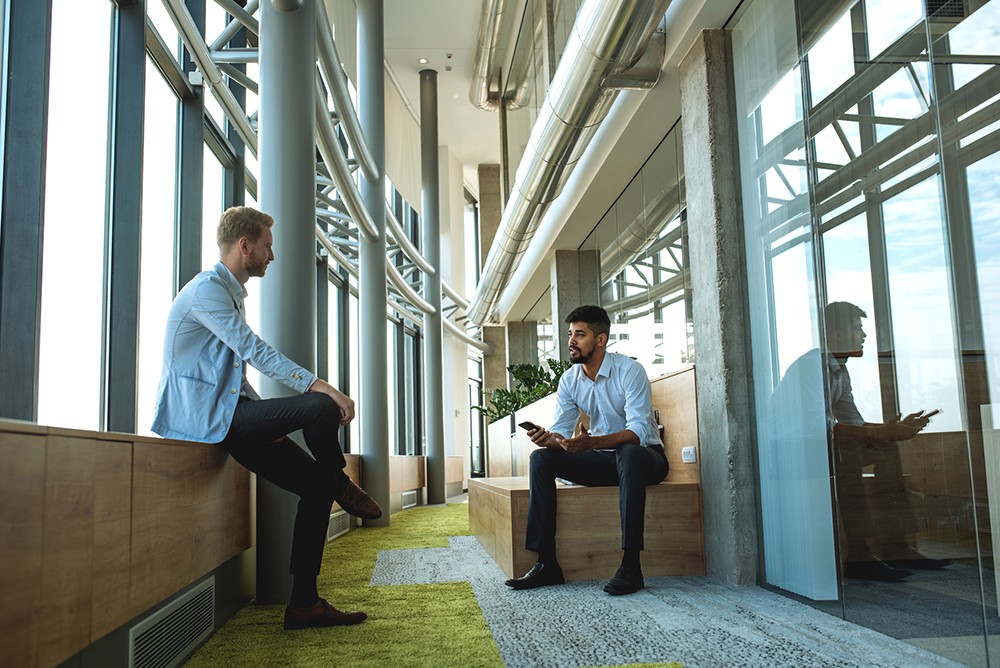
719,304
575,280
287,191
522,342
372,402
495,361
433,335
490,208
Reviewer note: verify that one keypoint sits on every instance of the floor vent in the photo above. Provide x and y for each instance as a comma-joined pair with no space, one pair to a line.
409,499
340,523
169,635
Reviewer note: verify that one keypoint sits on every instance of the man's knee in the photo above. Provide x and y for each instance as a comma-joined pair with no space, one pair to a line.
540,459
317,403
630,457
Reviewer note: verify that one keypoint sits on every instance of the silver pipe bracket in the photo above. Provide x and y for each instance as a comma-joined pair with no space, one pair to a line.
645,72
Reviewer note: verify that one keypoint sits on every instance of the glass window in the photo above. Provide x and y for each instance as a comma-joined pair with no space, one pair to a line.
159,155
69,383
870,233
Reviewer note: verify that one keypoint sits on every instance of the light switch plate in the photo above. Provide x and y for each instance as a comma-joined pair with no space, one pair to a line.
688,454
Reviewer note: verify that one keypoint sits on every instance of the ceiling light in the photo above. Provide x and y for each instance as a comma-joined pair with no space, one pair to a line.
422,61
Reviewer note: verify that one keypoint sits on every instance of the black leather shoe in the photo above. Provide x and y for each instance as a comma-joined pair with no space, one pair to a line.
627,580
874,570
919,564
913,560
540,575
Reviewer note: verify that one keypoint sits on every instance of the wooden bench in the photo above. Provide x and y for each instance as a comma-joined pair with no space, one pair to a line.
588,528
588,523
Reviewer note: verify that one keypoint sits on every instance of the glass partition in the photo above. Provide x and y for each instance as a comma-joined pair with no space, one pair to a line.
868,136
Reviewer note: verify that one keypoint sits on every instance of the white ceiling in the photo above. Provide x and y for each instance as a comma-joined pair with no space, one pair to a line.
435,29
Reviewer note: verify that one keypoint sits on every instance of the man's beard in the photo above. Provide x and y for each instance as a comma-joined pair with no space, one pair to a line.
580,358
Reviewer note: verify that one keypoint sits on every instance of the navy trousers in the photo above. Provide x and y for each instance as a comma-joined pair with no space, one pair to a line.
258,440
631,467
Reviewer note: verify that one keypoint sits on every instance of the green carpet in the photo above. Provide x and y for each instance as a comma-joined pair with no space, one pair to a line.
408,625
437,625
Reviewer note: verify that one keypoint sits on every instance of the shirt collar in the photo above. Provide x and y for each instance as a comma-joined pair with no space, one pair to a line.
235,288
605,369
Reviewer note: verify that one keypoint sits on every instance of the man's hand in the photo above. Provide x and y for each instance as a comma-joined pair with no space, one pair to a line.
544,438
580,443
905,429
343,402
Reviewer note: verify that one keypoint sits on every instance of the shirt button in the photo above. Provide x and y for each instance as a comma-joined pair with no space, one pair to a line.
236,365
233,391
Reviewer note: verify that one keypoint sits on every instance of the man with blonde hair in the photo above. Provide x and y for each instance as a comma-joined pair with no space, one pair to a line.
204,396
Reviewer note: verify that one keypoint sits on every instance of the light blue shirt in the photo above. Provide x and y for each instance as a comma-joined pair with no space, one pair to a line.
620,397
205,352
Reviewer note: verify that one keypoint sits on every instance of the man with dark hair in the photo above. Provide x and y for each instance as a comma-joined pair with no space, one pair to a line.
622,448
884,519
802,413
204,396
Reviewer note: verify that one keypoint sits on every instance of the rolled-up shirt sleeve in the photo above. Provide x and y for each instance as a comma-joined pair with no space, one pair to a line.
567,412
638,404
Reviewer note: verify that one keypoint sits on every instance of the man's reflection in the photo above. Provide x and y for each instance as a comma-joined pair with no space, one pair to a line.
875,515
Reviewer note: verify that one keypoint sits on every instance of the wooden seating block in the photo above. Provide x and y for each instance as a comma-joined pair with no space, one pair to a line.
588,528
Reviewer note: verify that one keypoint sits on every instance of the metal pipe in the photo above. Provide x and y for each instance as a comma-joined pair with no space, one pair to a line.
202,57
287,5
241,15
407,290
433,339
241,55
607,37
234,27
464,336
486,48
336,162
329,63
287,192
462,302
372,280
396,230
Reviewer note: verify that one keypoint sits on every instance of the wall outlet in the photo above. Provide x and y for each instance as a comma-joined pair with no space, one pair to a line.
688,454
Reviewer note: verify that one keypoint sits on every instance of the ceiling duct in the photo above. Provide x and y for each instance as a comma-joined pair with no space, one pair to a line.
607,39
486,51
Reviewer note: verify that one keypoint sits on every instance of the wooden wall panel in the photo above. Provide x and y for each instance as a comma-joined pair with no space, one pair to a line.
178,492
675,396
112,536
22,470
67,547
498,450
406,473
454,469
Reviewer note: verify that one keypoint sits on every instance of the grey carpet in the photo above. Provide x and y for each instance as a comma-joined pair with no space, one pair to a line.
692,620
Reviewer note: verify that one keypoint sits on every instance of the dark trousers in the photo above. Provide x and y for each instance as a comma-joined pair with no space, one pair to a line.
878,514
257,440
631,467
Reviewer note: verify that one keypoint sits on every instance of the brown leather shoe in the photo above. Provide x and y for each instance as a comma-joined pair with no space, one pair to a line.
320,614
357,502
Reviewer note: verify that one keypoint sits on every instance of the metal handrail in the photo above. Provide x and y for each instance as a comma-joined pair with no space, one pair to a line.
195,44
336,162
329,62
411,251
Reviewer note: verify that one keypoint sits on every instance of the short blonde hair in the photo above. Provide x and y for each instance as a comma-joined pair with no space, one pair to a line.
240,221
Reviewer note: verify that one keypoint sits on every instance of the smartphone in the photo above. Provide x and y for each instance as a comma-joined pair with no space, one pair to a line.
527,426
932,413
